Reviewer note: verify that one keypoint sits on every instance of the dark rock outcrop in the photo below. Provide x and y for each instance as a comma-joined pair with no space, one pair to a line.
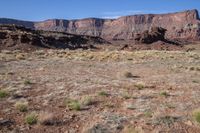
153,35
180,25
18,37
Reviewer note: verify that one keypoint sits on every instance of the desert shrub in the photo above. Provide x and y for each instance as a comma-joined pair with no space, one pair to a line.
27,82
128,74
130,129
148,114
140,86
20,56
125,95
88,101
164,93
21,106
109,105
196,115
31,118
3,93
195,81
73,104
103,93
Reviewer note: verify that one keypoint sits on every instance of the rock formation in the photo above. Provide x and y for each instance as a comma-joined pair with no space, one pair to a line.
153,35
182,25
17,37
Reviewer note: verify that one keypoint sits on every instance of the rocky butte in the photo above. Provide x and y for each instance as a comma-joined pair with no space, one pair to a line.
179,25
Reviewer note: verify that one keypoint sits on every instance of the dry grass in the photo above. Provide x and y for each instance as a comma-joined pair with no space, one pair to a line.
88,101
21,106
46,118
130,129
140,85
80,75
20,56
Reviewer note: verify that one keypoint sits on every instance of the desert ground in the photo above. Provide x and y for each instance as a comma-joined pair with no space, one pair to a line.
109,91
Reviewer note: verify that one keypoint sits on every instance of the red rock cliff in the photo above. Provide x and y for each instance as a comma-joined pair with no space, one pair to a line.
179,25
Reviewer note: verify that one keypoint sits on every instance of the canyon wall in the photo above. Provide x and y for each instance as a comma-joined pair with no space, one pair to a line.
184,25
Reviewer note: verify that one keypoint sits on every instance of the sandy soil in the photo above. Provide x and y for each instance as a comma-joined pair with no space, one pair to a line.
100,92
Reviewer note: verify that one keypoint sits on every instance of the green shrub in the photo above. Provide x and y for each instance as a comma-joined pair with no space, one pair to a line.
27,82
31,119
164,93
103,93
196,115
73,104
3,94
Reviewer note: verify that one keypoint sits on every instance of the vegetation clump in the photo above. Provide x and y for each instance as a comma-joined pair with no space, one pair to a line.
128,74
164,93
3,93
103,93
27,82
31,119
140,86
196,115
21,106
88,101
73,104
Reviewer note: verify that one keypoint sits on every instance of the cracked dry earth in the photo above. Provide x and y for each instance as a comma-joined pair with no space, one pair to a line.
113,91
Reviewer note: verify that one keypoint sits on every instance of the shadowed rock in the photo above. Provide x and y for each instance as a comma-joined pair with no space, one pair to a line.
154,35
18,37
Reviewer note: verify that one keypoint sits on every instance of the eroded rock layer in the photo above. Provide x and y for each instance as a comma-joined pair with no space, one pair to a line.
183,25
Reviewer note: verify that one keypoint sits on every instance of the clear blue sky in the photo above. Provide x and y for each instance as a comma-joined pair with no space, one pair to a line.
37,10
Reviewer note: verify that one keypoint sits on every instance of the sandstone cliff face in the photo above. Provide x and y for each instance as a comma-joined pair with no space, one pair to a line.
184,25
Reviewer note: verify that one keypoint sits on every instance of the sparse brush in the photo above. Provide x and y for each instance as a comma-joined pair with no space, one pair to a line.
109,105
103,93
3,93
130,129
73,104
22,106
196,115
164,93
46,118
195,81
88,101
128,74
140,86
27,82
20,56
148,114
31,119
126,95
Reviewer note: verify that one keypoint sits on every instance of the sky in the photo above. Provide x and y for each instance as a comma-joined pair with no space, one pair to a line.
38,10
